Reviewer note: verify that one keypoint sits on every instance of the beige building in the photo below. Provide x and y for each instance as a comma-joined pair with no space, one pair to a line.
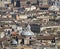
43,2
24,2
3,2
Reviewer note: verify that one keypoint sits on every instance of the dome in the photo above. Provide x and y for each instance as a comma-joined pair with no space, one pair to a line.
28,33
53,8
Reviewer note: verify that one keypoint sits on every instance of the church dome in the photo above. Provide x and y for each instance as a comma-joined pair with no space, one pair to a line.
28,32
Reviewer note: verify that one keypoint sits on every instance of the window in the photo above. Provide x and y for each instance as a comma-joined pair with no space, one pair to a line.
5,0
0,0
43,8
35,28
40,1
58,0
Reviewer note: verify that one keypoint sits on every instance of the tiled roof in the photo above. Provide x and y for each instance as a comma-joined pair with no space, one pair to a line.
45,37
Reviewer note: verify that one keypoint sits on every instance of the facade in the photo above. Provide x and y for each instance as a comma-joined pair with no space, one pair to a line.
26,27
2,2
23,3
54,2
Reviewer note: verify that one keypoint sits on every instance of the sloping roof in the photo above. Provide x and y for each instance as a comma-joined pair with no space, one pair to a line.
52,23
1,30
44,6
6,19
45,37
3,39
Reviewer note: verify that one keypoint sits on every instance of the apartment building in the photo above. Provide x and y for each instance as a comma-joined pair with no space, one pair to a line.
24,2
54,2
